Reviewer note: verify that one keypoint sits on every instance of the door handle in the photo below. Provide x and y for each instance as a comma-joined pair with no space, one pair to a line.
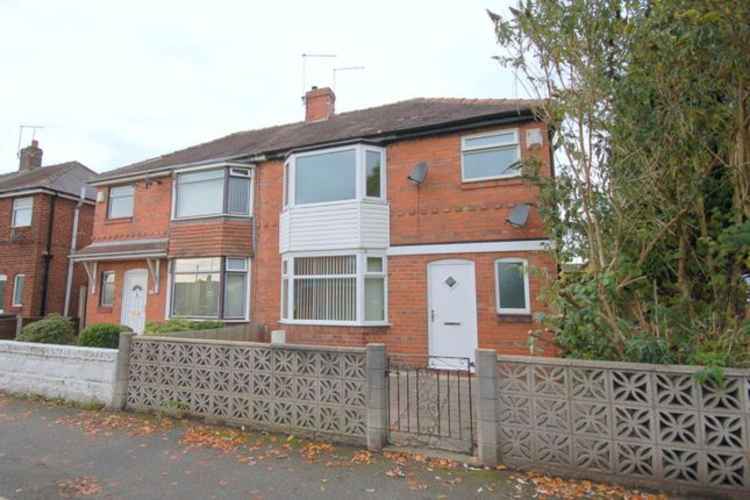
452,323
432,314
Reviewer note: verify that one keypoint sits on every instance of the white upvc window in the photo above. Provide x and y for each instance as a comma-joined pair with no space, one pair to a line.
491,155
348,173
121,201
23,209
212,191
18,285
512,286
3,283
347,288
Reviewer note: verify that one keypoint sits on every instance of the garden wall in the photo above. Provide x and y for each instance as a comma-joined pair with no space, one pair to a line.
629,423
301,389
82,374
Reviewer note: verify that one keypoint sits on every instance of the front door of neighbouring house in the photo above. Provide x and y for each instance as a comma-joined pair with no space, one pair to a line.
451,313
134,286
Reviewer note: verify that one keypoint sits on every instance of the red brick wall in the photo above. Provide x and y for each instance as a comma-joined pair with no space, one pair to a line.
449,211
152,207
23,253
444,209
154,303
211,237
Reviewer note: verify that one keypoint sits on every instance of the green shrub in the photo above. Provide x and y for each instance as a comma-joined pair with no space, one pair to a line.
102,335
180,325
54,329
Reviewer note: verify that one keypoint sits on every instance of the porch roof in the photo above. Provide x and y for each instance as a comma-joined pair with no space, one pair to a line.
122,250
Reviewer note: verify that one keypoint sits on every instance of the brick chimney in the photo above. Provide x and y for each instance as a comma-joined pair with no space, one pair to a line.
320,104
30,157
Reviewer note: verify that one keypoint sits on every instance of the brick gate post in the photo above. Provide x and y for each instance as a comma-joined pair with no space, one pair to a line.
377,401
120,389
487,406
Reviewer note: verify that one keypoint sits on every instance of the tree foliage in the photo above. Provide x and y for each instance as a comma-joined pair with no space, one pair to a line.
650,103
53,329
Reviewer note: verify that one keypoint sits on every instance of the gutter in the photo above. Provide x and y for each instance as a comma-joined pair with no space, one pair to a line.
48,256
73,243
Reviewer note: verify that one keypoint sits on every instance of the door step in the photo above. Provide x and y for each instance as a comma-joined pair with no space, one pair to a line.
437,454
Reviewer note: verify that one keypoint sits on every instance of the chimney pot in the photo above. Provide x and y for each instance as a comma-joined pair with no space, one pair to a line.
320,104
30,157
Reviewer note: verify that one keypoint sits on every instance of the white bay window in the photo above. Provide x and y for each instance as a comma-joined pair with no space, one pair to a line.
335,175
346,289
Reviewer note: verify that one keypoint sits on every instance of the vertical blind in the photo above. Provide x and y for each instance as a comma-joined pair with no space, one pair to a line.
325,288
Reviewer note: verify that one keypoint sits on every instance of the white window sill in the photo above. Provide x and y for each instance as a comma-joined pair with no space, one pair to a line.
496,178
513,312
374,324
213,216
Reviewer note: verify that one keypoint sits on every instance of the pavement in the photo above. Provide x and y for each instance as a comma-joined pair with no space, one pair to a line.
52,450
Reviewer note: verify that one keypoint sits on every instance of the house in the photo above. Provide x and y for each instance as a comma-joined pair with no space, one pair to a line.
45,213
387,224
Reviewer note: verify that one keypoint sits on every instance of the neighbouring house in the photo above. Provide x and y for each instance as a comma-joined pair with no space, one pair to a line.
408,224
46,212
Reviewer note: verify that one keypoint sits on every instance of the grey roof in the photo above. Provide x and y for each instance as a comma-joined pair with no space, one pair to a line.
369,123
123,248
67,178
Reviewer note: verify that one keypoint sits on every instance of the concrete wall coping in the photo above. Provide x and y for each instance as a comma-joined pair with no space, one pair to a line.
58,350
614,365
236,343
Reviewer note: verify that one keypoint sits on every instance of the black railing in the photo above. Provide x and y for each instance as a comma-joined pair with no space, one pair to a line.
430,401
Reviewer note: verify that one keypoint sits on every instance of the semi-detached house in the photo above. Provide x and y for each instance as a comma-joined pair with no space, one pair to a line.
45,211
408,224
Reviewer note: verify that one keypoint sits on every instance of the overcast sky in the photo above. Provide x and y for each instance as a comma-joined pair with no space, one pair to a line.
117,82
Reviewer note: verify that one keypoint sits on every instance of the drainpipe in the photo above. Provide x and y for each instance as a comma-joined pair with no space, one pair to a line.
73,243
48,255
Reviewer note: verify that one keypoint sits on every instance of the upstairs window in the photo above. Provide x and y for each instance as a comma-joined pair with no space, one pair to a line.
512,286
18,285
223,191
490,156
23,209
352,173
326,177
121,202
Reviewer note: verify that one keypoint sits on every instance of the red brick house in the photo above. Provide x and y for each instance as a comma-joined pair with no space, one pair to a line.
388,224
45,213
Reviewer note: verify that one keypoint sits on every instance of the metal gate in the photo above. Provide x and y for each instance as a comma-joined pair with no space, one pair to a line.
430,402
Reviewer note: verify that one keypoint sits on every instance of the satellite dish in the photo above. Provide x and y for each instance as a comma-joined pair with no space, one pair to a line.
518,216
418,173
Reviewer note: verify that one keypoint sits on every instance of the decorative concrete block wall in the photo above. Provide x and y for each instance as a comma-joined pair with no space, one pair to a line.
82,374
629,423
304,389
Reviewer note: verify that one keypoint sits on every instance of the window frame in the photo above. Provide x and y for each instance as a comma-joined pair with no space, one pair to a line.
228,170
360,275
4,280
464,149
222,272
527,287
109,202
15,289
102,284
15,210
289,185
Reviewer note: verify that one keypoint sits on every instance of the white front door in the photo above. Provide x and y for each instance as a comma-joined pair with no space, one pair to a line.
451,313
134,293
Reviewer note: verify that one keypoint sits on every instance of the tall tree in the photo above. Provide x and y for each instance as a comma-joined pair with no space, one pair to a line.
650,101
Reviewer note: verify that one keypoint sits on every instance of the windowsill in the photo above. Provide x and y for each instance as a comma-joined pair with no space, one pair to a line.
215,216
514,318
205,318
104,309
119,220
21,227
516,180
370,201
347,324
